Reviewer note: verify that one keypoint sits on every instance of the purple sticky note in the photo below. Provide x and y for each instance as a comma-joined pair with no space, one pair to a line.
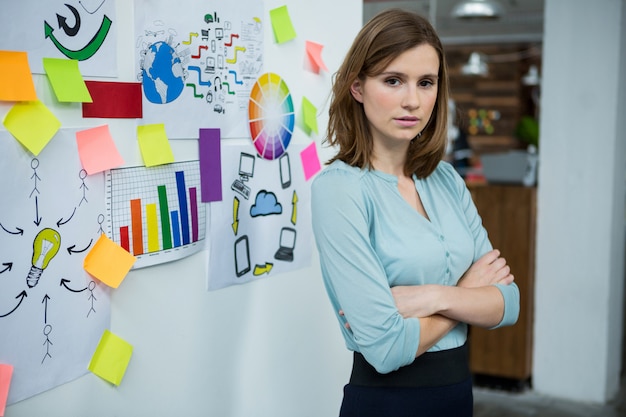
310,161
210,165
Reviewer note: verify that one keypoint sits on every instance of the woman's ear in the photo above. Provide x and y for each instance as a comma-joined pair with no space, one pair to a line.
355,90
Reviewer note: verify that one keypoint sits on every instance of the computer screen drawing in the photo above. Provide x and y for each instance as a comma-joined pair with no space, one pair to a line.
286,244
246,171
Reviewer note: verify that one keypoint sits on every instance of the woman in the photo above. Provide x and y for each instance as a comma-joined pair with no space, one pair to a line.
405,259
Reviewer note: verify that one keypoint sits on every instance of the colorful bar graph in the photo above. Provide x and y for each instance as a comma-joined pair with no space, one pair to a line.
157,209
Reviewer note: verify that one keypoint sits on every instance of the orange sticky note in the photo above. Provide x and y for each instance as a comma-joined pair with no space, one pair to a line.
111,358
310,161
108,262
314,53
32,124
96,150
6,372
154,145
16,81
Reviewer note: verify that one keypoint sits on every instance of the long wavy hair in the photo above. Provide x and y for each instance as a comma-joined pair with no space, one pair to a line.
381,40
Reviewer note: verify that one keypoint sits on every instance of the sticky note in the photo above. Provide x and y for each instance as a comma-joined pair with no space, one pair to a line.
67,82
108,262
32,124
96,150
281,24
16,81
210,165
309,116
111,358
310,161
154,145
119,100
314,54
6,372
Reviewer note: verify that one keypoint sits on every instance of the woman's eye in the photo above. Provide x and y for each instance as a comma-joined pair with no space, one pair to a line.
426,83
392,81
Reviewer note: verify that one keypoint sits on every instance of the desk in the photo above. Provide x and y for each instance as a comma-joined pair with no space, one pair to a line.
509,215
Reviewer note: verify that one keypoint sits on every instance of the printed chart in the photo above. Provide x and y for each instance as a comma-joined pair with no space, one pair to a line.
271,116
156,213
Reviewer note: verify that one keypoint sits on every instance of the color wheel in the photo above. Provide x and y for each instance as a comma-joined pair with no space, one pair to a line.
271,116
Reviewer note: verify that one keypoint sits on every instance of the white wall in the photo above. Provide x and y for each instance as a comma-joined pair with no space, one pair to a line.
580,231
270,348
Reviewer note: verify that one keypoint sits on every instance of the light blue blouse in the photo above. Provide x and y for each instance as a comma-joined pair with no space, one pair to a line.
370,239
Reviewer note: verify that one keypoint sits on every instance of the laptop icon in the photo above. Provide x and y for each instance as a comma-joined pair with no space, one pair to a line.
286,244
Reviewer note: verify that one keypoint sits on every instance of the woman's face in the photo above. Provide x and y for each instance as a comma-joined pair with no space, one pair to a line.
399,101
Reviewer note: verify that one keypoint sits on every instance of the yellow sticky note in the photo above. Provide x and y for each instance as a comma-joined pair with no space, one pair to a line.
66,80
6,372
309,116
16,81
111,358
96,150
314,53
281,24
154,145
32,124
108,262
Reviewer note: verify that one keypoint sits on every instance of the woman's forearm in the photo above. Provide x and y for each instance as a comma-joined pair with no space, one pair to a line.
432,329
482,306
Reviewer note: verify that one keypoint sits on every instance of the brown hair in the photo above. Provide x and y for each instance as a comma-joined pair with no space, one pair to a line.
380,41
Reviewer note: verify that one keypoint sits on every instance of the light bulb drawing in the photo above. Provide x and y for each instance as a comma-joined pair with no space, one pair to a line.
45,247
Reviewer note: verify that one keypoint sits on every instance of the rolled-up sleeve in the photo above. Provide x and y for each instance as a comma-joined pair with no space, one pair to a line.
354,276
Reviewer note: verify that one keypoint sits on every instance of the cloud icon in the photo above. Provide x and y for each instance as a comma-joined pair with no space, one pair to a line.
265,204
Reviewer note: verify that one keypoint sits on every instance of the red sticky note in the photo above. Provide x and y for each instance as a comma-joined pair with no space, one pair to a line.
6,372
114,100
314,53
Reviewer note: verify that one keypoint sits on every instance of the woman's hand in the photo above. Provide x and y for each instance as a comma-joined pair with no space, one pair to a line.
488,270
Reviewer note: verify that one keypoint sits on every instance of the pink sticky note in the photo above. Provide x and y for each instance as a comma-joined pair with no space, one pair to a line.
310,161
6,372
314,53
97,150
108,262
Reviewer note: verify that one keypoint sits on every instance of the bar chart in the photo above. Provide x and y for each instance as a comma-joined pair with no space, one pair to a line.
155,213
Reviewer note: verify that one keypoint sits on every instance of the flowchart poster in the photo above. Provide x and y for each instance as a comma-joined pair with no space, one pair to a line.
156,213
197,62
262,227
52,312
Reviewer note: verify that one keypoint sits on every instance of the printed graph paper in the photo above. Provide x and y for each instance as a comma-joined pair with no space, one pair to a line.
156,213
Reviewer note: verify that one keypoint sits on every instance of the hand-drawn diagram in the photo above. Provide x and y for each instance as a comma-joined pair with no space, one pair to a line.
199,62
155,213
258,222
52,312
83,30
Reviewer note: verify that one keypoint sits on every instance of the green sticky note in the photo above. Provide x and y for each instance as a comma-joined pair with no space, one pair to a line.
281,24
111,358
66,80
309,116
154,145
32,124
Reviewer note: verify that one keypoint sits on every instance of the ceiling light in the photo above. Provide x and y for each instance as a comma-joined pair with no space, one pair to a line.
477,9
532,76
476,65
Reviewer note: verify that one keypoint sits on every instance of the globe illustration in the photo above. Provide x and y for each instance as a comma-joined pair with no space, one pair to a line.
162,74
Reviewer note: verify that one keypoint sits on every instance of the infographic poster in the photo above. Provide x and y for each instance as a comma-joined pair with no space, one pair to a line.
52,312
82,30
197,61
155,213
262,227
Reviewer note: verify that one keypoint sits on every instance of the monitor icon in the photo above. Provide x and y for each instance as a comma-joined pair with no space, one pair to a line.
286,244
246,171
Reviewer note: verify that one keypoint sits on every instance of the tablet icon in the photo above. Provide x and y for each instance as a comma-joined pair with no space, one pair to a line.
286,244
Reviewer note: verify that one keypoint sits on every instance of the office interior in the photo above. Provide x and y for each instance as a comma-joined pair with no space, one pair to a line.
540,88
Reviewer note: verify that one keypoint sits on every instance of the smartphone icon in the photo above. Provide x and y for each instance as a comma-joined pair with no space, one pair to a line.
285,170
242,256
